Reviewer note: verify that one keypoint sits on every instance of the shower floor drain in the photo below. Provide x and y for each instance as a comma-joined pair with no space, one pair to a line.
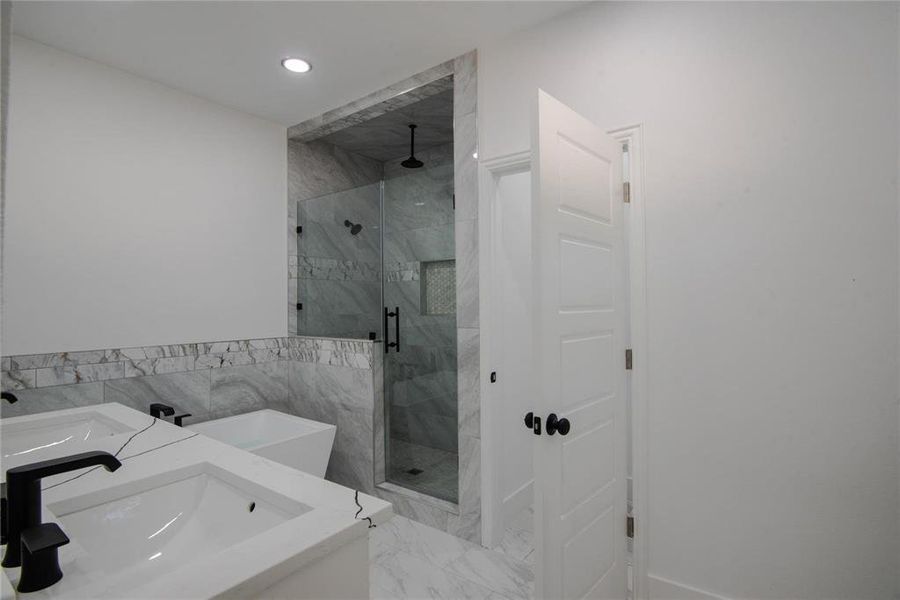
415,471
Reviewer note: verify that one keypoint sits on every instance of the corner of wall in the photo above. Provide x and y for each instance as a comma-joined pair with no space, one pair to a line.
5,33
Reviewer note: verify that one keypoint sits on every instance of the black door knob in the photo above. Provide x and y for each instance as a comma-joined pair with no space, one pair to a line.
529,420
555,424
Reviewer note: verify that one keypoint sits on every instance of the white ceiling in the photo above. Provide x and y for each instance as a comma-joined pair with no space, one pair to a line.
230,52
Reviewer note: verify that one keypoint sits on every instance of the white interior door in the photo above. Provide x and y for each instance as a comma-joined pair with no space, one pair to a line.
579,316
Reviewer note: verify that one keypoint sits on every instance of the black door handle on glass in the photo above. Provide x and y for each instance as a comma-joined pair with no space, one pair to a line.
396,316
555,424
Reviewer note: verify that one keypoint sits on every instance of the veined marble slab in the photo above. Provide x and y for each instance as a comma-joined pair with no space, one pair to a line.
32,371
403,93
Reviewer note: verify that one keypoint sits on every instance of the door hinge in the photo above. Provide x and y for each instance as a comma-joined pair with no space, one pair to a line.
628,359
629,526
626,192
299,229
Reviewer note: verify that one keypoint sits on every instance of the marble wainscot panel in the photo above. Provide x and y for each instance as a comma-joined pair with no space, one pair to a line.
328,380
343,396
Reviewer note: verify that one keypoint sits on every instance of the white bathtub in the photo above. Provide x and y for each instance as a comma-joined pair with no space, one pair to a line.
293,441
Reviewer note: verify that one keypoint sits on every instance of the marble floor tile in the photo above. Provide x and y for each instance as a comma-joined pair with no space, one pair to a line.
518,539
507,576
402,534
409,560
518,544
408,576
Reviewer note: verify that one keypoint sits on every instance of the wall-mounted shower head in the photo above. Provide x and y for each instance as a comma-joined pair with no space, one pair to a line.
412,162
354,227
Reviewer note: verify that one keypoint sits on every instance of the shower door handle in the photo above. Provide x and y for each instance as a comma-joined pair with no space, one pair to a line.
396,343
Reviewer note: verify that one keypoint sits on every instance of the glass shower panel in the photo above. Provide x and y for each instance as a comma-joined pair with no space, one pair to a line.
339,264
420,280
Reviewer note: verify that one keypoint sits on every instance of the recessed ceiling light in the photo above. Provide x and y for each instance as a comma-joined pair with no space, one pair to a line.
296,65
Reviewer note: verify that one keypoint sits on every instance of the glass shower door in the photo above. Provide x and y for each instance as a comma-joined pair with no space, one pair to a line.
339,264
420,286
388,248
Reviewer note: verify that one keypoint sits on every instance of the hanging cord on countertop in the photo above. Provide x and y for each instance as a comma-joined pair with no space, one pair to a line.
356,516
184,439
119,451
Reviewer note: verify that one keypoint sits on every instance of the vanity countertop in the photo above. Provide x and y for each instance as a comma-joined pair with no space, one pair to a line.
244,569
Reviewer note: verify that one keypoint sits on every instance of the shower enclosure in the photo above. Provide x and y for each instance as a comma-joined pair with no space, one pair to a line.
377,261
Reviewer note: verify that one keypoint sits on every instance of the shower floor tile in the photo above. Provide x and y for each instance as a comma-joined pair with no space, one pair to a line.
426,470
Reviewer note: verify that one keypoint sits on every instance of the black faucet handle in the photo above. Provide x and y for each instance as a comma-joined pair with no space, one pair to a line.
45,536
180,418
40,557
23,488
158,408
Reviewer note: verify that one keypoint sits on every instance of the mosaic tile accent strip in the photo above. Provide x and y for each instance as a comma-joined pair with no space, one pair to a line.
332,269
402,271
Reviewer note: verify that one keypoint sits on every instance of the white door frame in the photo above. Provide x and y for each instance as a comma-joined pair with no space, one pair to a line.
490,171
639,393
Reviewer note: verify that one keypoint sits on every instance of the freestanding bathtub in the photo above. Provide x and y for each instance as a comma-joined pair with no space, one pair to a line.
293,441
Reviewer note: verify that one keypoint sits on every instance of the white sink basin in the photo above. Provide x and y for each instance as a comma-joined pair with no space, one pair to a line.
24,442
148,528
175,521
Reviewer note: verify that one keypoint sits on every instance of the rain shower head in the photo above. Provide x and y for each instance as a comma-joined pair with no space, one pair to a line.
354,227
412,162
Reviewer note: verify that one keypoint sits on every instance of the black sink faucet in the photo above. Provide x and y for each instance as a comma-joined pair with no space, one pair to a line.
23,491
158,408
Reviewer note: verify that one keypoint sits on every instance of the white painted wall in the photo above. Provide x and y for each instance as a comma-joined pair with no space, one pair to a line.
771,158
136,214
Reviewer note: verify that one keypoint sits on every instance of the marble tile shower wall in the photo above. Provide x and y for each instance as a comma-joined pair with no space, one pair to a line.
467,524
326,380
335,275
418,227
464,519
